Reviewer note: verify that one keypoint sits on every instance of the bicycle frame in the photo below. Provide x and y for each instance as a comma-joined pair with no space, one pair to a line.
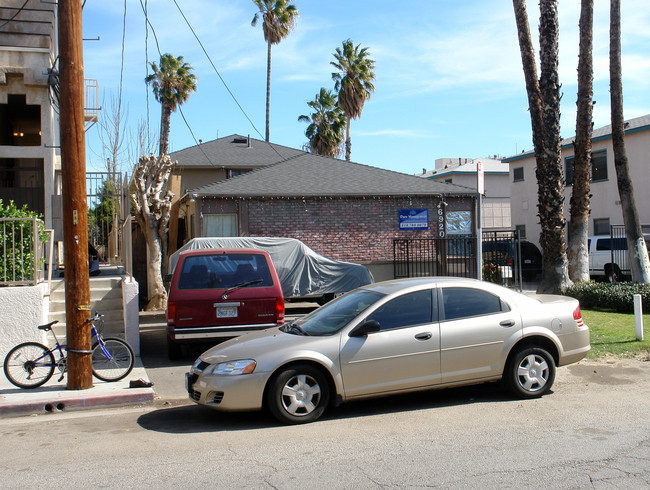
61,362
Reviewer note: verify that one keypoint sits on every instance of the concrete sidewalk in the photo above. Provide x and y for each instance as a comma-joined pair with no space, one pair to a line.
54,397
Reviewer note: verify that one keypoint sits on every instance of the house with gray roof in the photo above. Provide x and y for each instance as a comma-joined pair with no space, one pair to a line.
343,210
605,207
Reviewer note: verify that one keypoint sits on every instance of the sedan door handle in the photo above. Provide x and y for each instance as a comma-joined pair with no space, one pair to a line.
423,336
507,323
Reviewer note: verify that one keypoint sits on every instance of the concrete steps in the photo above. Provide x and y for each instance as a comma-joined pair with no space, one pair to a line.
105,298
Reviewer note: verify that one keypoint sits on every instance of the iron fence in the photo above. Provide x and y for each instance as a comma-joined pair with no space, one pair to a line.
24,252
457,257
107,211
419,257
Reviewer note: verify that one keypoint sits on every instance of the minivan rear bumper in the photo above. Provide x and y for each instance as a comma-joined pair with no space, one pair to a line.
197,333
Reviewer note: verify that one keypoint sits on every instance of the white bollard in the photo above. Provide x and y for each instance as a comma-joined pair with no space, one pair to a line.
638,317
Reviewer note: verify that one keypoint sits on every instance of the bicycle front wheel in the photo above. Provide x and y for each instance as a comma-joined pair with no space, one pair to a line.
29,365
113,360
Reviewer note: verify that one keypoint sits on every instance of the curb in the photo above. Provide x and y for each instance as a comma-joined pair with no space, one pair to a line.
58,404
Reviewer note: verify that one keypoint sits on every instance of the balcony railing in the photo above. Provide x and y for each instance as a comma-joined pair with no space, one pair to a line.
24,251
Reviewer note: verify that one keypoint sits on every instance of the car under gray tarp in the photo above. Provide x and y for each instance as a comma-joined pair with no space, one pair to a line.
303,272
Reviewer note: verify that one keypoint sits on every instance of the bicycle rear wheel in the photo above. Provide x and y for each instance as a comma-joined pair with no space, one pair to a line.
29,365
113,361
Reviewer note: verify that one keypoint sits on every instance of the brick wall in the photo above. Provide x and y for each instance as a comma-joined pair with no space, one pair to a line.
351,229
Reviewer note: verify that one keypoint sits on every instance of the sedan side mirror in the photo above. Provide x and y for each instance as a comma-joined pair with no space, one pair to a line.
365,328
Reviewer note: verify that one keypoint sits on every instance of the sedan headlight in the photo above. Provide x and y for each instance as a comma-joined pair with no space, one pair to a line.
232,368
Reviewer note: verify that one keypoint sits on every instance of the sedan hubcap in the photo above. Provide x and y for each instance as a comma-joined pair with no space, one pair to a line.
533,373
301,395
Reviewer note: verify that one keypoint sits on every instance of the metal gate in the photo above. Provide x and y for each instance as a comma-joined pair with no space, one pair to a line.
108,212
501,257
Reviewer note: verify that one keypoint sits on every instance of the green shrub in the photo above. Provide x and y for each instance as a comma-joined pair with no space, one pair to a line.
17,255
606,296
492,273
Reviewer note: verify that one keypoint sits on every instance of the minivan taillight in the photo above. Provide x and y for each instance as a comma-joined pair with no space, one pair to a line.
279,310
171,313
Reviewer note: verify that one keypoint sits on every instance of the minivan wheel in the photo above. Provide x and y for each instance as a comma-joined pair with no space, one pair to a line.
530,373
173,350
298,395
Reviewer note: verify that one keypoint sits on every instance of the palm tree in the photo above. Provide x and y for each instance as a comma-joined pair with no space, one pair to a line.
326,125
579,223
544,108
635,242
279,18
353,82
172,84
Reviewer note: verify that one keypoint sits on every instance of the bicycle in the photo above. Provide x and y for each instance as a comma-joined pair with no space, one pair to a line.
30,364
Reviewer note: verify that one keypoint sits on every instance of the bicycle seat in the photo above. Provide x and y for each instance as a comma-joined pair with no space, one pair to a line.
48,326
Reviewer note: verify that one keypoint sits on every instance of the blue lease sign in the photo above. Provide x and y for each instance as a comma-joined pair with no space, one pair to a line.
413,219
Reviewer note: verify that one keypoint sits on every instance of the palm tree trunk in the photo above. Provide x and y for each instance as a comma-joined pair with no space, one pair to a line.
165,116
268,90
635,242
544,106
579,222
550,176
348,142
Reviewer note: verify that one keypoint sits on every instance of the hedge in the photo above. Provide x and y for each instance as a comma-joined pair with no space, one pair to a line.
606,296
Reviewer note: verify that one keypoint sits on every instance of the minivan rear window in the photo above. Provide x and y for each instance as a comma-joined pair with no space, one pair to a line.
223,271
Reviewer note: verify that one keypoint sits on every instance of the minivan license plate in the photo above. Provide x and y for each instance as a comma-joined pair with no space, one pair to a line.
227,312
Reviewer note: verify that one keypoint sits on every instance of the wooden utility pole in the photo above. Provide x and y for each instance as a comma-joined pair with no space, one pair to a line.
75,207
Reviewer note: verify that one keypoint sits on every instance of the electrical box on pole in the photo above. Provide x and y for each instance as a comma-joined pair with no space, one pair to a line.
75,207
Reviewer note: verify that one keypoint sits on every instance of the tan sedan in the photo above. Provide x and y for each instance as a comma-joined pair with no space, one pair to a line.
394,337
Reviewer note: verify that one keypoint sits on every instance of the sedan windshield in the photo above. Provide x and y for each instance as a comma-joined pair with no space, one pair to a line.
332,317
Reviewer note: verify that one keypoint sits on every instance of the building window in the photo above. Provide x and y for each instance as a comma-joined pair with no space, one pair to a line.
20,123
21,181
219,225
518,174
448,181
601,226
230,173
522,230
598,167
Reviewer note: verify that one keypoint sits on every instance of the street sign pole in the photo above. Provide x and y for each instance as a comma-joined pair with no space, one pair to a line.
480,190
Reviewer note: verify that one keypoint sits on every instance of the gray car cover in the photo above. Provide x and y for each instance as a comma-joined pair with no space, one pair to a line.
302,271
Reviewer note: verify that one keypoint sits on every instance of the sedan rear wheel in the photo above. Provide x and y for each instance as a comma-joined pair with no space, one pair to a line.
298,395
530,373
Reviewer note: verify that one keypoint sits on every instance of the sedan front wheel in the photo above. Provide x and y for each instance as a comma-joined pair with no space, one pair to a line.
530,373
298,395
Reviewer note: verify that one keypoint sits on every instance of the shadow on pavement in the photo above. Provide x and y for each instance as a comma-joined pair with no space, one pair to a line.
190,419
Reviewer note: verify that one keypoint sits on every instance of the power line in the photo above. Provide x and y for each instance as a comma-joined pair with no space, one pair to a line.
15,15
148,22
219,74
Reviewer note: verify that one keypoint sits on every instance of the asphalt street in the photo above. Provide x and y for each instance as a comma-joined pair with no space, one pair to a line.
591,431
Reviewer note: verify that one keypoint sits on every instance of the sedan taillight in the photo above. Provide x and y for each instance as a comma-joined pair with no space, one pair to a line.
279,310
577,316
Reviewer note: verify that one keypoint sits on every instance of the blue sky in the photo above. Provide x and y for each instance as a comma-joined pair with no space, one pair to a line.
449,81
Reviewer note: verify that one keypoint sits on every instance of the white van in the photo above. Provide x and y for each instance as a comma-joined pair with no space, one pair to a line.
608,258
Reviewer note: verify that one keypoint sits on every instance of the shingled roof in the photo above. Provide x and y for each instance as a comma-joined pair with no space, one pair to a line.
309,175
234,151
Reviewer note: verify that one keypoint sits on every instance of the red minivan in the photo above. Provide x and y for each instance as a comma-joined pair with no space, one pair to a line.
221,293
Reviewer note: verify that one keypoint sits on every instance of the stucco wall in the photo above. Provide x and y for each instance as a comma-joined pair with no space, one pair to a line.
22,309
605,201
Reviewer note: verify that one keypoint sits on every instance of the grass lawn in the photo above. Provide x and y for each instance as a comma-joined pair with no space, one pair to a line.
614,333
